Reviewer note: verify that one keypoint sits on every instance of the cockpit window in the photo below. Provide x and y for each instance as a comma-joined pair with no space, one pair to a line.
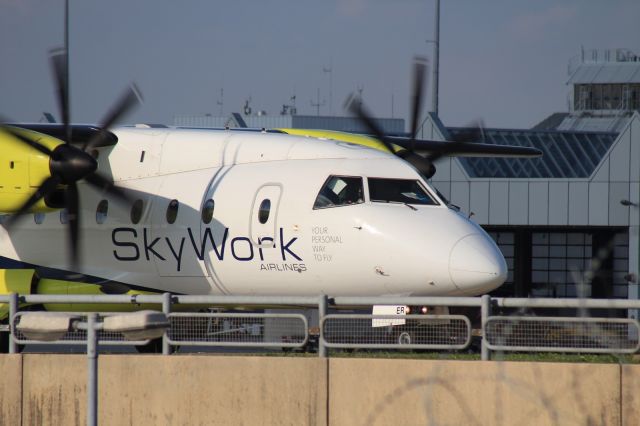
404,191
340,191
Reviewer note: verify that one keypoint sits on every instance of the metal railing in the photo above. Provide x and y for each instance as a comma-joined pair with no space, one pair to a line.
238,330
554,334
499,325
351,331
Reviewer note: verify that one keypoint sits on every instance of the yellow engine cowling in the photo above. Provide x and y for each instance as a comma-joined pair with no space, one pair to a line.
51,286
26,281
20,281
23,169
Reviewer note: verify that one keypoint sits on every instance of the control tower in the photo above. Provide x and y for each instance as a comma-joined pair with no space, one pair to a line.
605,90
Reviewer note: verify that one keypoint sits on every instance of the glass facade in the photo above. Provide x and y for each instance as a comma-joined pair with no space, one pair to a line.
506,243
624,96
561,264
565,264
620,265
565,154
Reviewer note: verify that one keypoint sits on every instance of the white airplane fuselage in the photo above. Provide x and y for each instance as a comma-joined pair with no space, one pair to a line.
367,248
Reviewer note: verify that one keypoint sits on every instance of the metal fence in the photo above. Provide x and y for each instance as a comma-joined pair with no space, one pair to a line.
238,330
351,331
498,324
554,334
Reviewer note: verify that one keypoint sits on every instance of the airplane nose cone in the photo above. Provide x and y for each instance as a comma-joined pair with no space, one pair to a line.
476,265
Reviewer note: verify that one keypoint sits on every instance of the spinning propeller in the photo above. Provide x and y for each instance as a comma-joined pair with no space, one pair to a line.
465,143
69,164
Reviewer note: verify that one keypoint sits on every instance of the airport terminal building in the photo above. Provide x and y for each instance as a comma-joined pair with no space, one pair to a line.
568,223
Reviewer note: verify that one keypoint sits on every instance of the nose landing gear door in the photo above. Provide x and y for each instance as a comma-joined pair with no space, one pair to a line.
263,221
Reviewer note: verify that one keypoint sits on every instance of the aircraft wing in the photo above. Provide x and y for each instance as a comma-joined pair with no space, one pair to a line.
464,149
427,148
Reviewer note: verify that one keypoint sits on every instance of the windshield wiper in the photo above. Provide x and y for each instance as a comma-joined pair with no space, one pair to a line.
410,206
395,202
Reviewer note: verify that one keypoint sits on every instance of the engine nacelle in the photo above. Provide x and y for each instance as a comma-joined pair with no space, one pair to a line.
27,281
23,169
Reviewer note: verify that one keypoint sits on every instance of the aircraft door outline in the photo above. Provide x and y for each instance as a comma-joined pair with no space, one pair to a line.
263,221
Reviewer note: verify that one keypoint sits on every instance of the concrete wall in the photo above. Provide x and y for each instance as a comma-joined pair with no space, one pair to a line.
53,389
472,393
10,387
183,389
630,394
194,390
177,390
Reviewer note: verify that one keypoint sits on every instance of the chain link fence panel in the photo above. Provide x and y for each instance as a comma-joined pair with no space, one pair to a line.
349,331
236,329
562,334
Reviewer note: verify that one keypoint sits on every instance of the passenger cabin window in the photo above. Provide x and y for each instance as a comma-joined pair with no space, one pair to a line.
136,211
172,211
207,211
102,211
263,212
340,191
38,218
404,191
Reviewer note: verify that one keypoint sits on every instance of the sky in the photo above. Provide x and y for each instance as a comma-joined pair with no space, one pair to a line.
504,62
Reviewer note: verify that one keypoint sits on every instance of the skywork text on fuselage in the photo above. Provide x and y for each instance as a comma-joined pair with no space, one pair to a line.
132,245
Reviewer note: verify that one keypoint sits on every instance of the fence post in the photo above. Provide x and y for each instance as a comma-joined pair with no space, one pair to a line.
166,309
13,310
485,311
322,311
92,358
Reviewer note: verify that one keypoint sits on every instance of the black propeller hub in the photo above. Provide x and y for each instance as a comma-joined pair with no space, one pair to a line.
422,164
71,164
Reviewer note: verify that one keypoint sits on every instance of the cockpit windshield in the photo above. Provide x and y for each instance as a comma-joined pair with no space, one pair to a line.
404,191
340,191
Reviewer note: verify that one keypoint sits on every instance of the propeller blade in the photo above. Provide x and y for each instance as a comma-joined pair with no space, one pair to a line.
27,140
49,185
100,182
127,101
474,132
419,72
441,153
59,66
73,207
423,153
357,108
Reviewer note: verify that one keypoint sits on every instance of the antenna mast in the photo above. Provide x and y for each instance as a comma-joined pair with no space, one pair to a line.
66,71
392,104
221,102
329,71
436,59
318,104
